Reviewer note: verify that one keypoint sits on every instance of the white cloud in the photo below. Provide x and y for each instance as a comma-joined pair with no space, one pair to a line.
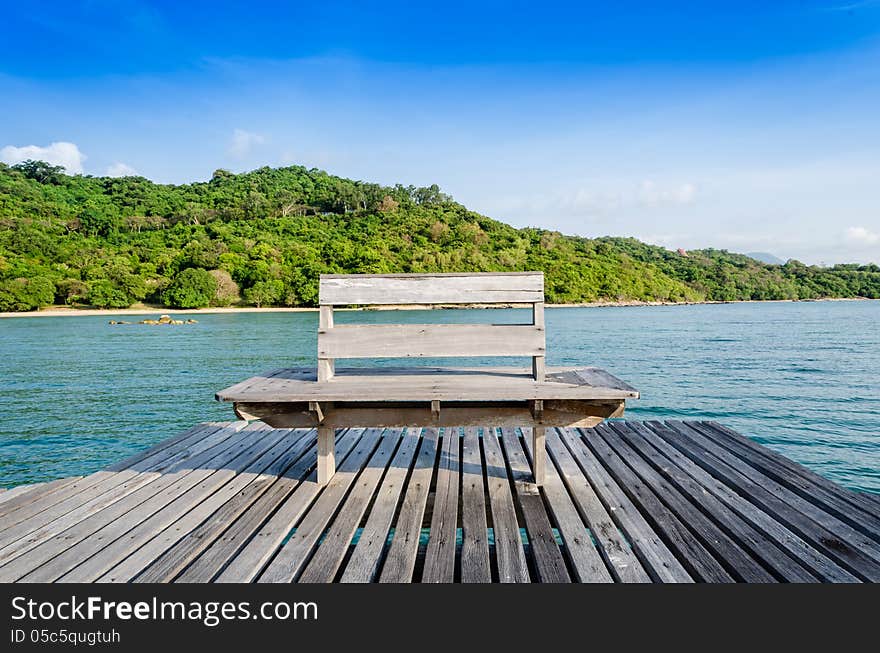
862,236
652,194
59,154
120,169
244,141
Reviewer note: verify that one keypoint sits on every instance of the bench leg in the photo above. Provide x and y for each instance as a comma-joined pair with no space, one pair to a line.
539,451
326,454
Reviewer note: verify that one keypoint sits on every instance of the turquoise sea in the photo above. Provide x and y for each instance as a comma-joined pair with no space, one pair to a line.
77,393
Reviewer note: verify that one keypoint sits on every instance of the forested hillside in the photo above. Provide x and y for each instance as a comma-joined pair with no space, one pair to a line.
263,237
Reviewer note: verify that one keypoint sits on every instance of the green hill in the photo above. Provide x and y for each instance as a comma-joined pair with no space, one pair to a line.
263,237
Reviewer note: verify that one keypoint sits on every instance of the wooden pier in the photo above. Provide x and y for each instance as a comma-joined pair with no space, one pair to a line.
622,502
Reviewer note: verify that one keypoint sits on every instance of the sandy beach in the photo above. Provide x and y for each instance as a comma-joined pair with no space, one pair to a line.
67,311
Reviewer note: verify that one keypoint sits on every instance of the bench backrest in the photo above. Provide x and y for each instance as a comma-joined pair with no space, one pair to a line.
430,340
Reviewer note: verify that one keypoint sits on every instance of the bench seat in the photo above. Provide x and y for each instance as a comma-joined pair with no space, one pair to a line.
328,397
429,383
416,397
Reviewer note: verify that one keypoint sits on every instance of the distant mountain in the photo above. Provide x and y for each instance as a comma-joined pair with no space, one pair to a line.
766,257
264,237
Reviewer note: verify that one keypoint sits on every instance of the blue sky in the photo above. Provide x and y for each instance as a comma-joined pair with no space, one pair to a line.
752,126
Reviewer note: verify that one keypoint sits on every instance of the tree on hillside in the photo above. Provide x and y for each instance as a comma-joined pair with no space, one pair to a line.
40,171
192,288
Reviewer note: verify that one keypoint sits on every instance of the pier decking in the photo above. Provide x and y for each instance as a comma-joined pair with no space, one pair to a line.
622,502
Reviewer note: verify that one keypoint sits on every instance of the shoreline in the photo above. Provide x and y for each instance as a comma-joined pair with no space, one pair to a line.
64,311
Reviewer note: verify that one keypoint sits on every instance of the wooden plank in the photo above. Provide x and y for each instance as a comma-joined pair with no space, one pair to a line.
472,288
785,506
260,536
745,551
401,558
218,549
869,503
326,453
222,489
430,340
364,562
538,362
325,562
620,558
475,565
595,377
18,490
45,510
440,553
91,556
586,563
159,446
288,563
657,557
798,549
424,384
32,510
326,366
290,415
200,524
52,525
794,478
509,553
689,549
815,510
163,489
727,550
159,460
23,495
549,562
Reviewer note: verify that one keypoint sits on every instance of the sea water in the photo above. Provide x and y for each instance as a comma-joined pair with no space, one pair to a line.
77,393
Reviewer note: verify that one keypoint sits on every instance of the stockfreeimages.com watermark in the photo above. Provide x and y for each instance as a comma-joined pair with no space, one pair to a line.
207,613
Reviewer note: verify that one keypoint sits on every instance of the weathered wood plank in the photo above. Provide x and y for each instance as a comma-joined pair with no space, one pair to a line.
401,558
549,562
33,510
163,489
92,555
424,384
288,563
509,553
17,490
188,434
471,288
797,514
869,503
45,530
128,481
221,489
430,340
364,562
797,549
325,562
475,564
198,527
263,536
586,562
45,510
434,413
797,480
689,549
440,554
617,553
730,539
659,559
23,495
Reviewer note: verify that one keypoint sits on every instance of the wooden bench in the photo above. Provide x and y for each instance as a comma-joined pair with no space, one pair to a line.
330,398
